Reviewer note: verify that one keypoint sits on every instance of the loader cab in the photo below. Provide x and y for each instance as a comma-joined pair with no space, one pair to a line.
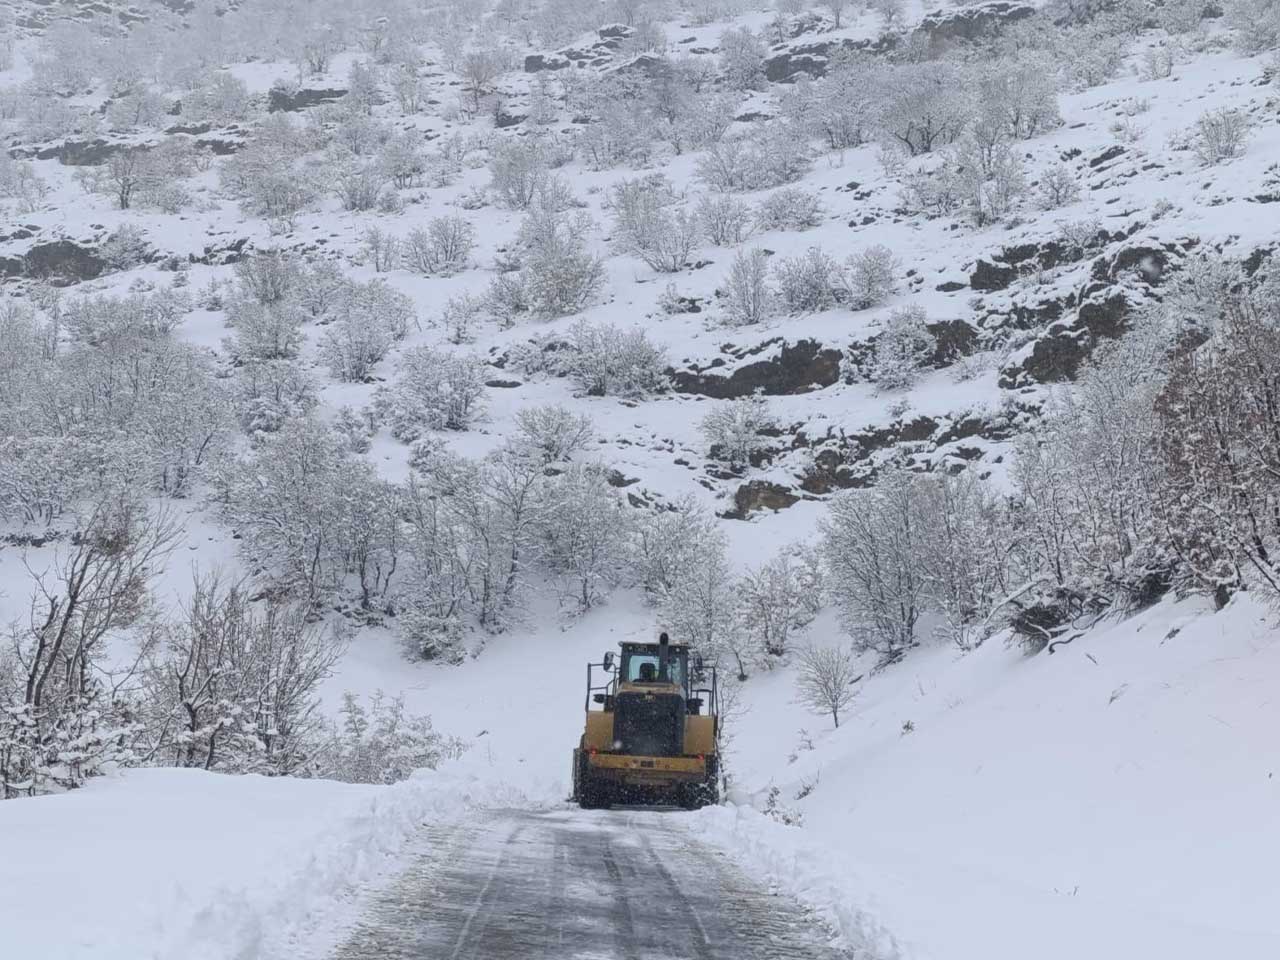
642,664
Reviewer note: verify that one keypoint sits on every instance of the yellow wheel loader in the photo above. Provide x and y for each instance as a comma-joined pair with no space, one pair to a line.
652,730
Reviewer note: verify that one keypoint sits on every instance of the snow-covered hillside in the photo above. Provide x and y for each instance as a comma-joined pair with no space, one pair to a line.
367,368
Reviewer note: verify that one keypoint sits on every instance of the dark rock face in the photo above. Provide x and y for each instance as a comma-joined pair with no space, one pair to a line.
844,462
596,55
61,262
799,368
279,100
537,62
810,59
1147,263
757,495
989,277
944,28
1058,354
1106,156
72,153
953,340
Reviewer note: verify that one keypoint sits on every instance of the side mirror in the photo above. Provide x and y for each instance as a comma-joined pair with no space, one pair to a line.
608,660
697,663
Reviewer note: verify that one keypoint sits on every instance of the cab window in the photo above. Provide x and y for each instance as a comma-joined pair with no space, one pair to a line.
643,667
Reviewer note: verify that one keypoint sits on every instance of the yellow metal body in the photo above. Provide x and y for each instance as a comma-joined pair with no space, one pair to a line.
647,771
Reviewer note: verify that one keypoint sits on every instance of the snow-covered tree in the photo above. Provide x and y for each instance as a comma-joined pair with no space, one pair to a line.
871,277
736,429
742,59
585,527
606,360
553,432
379,742
433,390
824,681
748,296
902,347
237,687
778,597
66,713
442,248
871,543
650,224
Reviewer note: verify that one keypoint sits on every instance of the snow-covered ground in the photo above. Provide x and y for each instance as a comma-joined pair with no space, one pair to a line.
1115,799
189,865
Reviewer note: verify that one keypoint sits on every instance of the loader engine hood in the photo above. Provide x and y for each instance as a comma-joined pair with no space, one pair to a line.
649,722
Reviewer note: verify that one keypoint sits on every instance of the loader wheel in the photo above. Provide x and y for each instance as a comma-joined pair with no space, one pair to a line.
706,793
589,795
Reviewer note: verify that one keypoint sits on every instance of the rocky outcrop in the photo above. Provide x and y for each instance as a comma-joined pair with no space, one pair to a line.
811,59
946,28
1057,355
279,100
61,262
849,460
757,495
598,54
797,368
72,153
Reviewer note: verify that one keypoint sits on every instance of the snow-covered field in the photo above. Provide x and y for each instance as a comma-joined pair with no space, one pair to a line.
1111,797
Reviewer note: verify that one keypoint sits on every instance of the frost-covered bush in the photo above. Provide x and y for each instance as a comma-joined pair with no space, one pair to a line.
605,360
748,298
402,160
650,225
218,99
433,390
925,106
727,166
553,432
556,275
735,429
619,136
990,186
268,182
871,277
902,348
584,529
382,249
742,55
19,181
125,247
789,209
268,276
264,331
379,742
460,316
520,170
358,184
368,319
726,220
807,282
1220,135
442,248
766,158
1057,187
1256,22
841,109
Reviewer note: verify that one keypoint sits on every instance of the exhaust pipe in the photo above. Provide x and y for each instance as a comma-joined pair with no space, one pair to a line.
664,658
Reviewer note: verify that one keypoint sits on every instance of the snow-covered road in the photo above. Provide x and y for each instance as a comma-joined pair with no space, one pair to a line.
566,885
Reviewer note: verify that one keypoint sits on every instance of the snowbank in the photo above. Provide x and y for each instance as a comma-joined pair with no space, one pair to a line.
190,865
1117,799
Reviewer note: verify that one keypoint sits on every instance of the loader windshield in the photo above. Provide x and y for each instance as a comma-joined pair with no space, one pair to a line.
643,668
